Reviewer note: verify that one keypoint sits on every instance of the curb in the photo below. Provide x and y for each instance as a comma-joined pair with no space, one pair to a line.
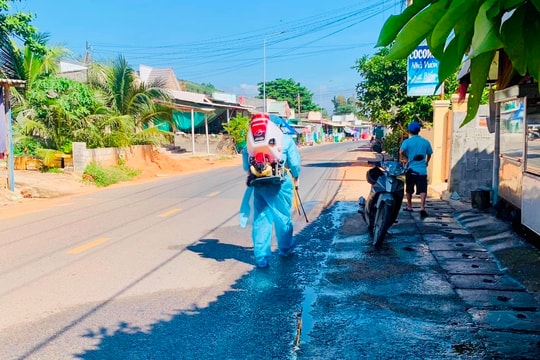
513,254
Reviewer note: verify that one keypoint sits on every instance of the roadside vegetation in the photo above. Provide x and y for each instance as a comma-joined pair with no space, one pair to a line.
114,109
480,32
111,109
238,127
102,176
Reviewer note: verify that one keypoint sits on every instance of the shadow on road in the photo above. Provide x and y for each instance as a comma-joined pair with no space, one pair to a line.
213,249
255,319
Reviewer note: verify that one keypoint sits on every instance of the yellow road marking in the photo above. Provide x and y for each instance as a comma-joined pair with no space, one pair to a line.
88,245
213,194
170,212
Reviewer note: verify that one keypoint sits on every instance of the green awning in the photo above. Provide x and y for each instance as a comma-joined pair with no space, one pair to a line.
182,120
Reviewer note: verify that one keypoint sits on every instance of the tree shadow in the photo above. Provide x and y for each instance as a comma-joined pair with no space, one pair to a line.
256,318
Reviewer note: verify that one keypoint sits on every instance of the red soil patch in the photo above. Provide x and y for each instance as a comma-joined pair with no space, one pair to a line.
159,164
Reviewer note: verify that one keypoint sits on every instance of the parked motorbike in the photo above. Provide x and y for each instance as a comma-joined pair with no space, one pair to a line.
382,206
375,142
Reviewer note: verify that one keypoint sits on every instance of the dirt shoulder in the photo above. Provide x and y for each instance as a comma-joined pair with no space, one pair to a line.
34,189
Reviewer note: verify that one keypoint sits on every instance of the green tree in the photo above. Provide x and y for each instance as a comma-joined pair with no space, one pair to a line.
476,29
18,25
28,65
56,112
238,127
382,92
343,106
290,91
130,100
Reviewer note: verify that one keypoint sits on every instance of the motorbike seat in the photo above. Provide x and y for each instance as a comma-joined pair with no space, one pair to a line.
373,174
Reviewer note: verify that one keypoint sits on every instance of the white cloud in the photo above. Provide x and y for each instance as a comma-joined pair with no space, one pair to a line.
245,89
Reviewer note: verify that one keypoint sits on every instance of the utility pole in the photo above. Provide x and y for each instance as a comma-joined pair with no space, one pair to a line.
264,67
87,56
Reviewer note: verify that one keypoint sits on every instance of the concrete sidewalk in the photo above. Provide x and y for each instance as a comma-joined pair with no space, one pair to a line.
494,270
520,258
514,254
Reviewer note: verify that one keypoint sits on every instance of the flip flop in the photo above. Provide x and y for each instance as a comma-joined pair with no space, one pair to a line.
407,209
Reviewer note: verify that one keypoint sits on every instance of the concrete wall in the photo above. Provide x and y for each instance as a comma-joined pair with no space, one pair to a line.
471,155
82,156
217,144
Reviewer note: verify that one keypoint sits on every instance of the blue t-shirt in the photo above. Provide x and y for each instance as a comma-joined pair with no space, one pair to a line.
415,147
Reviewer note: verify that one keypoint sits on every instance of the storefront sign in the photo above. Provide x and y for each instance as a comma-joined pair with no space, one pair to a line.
422,73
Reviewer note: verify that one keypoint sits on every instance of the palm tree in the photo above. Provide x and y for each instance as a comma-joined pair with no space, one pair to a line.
25,64
127,96
28,65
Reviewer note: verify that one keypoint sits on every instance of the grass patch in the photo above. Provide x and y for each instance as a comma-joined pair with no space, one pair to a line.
55,170
106,175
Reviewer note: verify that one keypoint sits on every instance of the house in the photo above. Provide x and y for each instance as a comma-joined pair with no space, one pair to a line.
163,76
193,110
74,71
280,108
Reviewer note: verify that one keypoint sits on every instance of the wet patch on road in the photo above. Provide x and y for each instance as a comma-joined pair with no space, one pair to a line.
431,290
398,293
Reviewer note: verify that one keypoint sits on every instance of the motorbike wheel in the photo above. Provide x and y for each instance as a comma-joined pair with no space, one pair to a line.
383,220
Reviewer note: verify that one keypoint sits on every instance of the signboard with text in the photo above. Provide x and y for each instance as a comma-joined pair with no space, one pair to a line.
422,73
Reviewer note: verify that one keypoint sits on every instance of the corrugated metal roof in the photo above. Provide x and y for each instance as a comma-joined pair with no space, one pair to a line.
224,97
190,97
185,107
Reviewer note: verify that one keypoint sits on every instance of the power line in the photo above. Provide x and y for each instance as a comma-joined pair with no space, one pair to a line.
233,52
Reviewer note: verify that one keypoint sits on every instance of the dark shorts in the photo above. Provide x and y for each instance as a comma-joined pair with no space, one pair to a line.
418,181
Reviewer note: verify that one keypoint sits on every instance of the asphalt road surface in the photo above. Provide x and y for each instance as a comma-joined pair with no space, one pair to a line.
159,259
162,270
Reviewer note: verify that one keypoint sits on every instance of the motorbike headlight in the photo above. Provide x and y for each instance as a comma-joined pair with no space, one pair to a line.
401,177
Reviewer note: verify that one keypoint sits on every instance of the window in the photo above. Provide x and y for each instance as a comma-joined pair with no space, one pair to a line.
512,128
532,149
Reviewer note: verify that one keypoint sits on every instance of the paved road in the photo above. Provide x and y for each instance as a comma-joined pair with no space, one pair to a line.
457,285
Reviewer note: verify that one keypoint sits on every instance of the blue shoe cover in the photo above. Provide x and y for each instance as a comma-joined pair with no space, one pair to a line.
263,263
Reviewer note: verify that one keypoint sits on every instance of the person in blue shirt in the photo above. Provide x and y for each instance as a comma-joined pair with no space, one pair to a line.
378,132
272,205
417,152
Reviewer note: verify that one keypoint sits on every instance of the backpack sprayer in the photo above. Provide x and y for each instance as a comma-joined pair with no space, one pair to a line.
265,155
265,151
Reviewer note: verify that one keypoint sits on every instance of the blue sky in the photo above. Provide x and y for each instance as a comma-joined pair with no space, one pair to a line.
225,43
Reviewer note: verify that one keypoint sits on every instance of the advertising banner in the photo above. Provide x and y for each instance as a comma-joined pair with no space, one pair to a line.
422,73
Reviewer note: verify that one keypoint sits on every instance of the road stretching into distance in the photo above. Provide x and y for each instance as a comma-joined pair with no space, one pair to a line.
122,257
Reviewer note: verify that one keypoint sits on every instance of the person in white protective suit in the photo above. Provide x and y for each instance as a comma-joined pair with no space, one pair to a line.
272,203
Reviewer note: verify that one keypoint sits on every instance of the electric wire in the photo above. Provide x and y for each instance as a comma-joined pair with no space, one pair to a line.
239,51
